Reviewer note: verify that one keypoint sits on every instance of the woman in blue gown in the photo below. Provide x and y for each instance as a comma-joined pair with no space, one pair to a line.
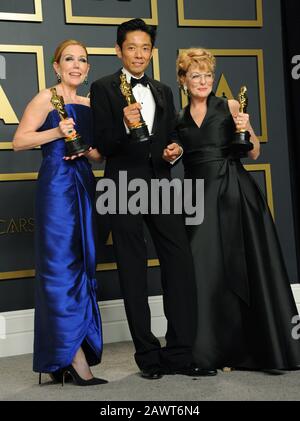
245,303
68,336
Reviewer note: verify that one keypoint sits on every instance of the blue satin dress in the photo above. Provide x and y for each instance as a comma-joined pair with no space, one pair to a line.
66,310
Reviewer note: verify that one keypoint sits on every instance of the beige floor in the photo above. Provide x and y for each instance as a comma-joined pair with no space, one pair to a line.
19,383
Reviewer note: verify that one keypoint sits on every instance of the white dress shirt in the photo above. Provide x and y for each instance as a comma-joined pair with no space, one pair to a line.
144,96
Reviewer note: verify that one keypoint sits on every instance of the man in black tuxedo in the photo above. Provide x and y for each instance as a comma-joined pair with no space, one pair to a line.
146,160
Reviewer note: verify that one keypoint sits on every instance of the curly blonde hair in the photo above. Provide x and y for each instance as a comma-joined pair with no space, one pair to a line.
198,56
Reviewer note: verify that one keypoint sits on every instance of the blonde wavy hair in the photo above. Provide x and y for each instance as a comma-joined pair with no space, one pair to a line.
200,57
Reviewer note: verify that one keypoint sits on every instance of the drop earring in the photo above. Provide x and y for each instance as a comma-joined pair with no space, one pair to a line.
185,90
86,81
58,77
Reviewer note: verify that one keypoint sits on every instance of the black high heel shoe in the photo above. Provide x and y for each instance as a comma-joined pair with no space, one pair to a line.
78,380
57,376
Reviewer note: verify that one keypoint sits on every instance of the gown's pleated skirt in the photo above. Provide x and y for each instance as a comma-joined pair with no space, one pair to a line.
66,310
246,310
245,303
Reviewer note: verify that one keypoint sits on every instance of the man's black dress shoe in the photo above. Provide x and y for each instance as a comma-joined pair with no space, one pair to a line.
193,371
152,373
196,371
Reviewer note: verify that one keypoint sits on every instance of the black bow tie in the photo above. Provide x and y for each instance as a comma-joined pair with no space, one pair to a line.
143,80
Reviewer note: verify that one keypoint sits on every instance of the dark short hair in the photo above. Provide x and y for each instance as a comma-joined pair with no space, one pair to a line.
135,25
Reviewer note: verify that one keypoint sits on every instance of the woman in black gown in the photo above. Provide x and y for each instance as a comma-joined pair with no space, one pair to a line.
245,302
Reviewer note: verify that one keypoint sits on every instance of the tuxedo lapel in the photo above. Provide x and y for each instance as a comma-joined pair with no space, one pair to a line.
156,92
158,98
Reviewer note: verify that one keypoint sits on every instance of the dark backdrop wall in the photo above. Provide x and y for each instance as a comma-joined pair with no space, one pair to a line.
291,48
247,40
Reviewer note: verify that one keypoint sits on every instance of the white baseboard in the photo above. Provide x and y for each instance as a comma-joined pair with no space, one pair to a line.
296,292
16,327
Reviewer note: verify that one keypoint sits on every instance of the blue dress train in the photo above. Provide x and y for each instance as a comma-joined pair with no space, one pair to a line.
66,310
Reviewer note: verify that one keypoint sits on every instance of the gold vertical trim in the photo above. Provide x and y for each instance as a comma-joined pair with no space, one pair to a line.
154,14
268,180
180,13
257,23
259,13
37,16
262,97
70,18
69,11
156,70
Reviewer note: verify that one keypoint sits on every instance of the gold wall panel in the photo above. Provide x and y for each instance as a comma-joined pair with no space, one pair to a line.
97,20
28,49
257,23
37,16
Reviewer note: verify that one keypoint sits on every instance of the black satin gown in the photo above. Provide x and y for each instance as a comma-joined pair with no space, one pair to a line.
245,302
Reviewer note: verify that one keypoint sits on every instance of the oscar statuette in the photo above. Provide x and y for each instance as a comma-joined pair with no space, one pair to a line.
74,142
138,131
241,141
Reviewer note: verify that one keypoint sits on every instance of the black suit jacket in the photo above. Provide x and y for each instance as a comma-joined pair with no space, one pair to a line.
107,103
